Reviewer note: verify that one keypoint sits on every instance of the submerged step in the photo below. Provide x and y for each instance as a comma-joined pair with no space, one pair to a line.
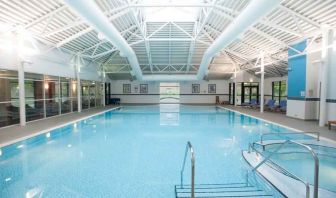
220,190
213,185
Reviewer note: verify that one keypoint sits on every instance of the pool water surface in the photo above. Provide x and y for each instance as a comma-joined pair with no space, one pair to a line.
136,151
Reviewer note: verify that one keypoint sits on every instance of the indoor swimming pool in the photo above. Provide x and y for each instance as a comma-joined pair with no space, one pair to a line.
134,151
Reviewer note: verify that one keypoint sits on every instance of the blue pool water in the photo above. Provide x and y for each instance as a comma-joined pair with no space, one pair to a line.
135,151
299,162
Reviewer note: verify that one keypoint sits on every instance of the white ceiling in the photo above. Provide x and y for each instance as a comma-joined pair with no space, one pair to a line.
174,47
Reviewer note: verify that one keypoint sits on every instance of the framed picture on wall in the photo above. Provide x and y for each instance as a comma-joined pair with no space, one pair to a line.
126,88
212,88
143,88
195,88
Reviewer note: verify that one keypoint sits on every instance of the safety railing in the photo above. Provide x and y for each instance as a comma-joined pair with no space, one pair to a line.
316,165
289,133
190,148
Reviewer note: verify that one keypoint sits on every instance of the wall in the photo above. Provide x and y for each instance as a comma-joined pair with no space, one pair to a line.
186,96
331,92
307,107
51,62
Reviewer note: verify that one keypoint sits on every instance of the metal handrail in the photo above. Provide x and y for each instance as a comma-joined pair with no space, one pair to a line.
316,166
190,148
289,133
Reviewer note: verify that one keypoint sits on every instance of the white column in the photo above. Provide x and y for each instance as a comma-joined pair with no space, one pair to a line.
22,100
327,39
235,88
79,99
104,80
262,70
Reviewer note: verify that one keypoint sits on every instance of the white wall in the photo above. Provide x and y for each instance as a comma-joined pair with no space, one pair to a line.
186,96
309,109
331,93
52,62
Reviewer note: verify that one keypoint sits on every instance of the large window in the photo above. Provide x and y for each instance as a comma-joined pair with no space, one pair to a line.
52,90
65,95
279,91
45,96
85,94
169,92
34,96
250,92
9,98
74,95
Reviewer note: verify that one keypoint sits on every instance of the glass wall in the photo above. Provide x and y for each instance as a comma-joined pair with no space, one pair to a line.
85,94
34,96
52,93
45,96
99,96
9,98
92,92
65,95
74,95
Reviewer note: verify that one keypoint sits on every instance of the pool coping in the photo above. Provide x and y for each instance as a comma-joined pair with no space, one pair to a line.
28,136
282,182
281,125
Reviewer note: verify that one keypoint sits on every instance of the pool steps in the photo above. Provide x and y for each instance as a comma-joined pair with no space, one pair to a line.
221,191
246,189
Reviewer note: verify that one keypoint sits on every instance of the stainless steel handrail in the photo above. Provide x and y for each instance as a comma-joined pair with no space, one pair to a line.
190,148
289,133
316,165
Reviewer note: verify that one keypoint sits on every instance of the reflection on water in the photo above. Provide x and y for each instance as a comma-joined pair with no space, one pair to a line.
169,114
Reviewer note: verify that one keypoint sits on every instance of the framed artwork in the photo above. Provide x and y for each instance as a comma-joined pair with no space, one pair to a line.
195,88
212,88
143,88
126,88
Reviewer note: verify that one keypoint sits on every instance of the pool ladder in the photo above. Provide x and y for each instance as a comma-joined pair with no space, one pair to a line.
190,148
243,189
284,171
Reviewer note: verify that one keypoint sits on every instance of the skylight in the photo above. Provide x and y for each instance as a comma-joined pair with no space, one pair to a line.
179,13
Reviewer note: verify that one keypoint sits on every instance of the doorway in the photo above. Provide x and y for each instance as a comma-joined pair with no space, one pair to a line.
250,92
170,93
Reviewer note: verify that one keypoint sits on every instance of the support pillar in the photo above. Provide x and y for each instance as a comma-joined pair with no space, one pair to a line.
79,98
262,67
327,39
22,100
104,94
235,89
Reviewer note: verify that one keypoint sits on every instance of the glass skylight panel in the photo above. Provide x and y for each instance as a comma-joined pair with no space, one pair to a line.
171,10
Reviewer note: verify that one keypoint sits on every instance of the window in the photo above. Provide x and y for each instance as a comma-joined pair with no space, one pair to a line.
212,88
126,88
85,94
65,95
52,95
164,14
34,96
169,92
45,96
195,88
250,92
9,98
279,91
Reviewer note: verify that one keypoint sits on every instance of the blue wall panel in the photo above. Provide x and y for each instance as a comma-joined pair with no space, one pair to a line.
297,74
